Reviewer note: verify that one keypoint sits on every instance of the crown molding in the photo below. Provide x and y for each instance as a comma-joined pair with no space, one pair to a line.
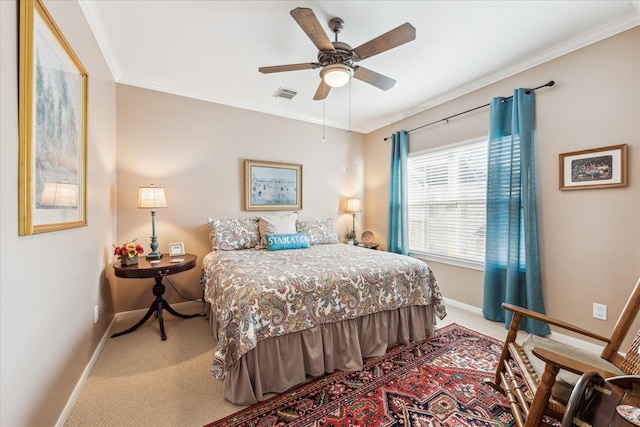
91,13
563,48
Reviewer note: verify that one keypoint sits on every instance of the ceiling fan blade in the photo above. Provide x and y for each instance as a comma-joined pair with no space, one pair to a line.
290,67
373,78
310,25
394,38
322,91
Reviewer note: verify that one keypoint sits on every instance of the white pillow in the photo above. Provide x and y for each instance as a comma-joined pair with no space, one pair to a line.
277,224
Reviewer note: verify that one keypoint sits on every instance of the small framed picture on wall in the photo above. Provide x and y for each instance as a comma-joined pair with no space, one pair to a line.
176,249
603,167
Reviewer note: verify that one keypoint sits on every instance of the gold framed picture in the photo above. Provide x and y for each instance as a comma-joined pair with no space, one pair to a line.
53,126
603,167
272,186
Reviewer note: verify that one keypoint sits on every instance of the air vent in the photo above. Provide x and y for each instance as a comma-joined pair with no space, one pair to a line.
287,94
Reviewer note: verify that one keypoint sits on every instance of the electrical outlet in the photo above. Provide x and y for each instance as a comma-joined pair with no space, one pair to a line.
95,314
600,311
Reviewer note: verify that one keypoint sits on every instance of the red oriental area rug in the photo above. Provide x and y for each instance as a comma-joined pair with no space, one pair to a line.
436,382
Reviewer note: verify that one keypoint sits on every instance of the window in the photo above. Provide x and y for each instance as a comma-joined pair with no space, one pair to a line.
447,203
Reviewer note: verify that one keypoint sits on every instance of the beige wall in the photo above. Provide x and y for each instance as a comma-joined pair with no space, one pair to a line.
196,150
49,283
589,239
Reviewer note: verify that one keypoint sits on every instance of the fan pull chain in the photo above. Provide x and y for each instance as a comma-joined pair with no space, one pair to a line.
323,120
350,84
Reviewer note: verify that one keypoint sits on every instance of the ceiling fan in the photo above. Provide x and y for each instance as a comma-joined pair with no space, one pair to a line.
337,59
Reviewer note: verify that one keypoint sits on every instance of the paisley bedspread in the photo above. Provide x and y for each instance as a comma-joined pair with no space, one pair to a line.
258,294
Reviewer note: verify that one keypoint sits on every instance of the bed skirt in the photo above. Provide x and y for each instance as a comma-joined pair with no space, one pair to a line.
279,363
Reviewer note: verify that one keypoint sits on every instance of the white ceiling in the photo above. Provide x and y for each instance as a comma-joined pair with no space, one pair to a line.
211,50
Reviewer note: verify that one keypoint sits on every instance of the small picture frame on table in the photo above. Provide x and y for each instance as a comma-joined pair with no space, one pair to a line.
603,167
176,249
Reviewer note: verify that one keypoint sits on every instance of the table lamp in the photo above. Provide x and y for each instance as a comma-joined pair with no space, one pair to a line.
354,205
152,198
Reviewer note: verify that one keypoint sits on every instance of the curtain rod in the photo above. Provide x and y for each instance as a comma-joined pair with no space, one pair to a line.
446,119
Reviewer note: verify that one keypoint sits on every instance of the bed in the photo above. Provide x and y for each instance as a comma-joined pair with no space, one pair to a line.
280,316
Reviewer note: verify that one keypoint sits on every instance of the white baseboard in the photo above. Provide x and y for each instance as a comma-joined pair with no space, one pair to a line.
62,419
83,378
141,312
556,336
462,306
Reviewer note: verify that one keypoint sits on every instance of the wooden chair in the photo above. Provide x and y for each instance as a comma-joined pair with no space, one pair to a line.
548,370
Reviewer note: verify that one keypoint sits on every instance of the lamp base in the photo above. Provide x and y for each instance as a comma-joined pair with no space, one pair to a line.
154,255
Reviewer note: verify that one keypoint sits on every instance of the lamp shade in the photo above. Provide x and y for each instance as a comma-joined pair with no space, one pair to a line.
336,75
59,195
354,205
151,198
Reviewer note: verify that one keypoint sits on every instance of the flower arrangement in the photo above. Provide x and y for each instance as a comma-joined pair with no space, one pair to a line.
128,252
350,235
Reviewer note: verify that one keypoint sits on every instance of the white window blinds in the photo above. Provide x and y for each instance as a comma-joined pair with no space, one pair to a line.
447,202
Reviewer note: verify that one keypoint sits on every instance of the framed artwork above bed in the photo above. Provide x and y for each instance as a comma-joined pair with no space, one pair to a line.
272,186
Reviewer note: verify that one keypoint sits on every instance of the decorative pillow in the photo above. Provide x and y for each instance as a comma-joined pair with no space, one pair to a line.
277,224
232,234
319,231
276,242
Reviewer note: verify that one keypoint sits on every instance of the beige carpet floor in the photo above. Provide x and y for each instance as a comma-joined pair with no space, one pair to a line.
140,380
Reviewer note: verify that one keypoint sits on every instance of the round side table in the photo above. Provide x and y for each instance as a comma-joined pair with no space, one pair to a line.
144,270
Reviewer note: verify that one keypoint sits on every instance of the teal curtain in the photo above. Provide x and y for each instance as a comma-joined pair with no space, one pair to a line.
398,234
512,266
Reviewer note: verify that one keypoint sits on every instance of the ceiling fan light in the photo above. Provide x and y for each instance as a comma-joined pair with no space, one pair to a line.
336,75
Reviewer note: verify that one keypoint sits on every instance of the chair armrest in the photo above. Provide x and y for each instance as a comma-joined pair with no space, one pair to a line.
553,321
568,363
